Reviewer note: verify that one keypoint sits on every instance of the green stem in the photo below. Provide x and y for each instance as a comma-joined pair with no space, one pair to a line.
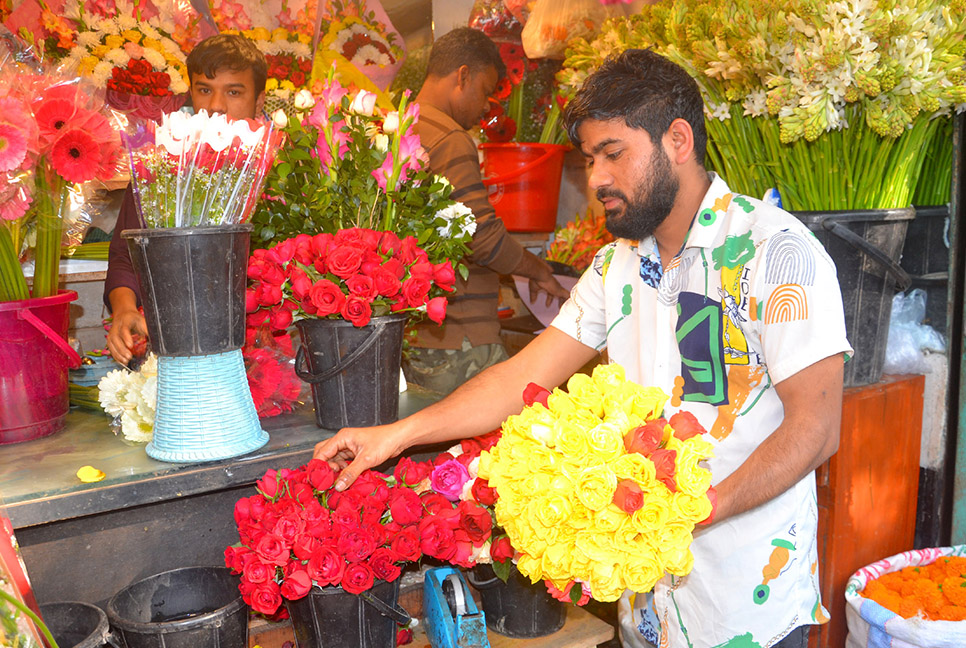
50,208
33,617
13,286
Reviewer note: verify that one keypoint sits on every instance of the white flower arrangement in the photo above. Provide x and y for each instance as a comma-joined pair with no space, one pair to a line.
459,219
131,397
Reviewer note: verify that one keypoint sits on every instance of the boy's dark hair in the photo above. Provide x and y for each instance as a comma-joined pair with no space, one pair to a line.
228,51
464,46
644,89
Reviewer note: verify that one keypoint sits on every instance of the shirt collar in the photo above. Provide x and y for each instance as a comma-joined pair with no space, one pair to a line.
710,216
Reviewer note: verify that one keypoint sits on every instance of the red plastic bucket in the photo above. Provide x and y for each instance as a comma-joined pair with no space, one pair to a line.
34,358
524,181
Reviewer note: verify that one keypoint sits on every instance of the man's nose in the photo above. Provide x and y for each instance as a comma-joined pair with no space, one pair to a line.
218,104
598,178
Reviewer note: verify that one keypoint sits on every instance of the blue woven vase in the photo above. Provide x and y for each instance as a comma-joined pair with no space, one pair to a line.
205,410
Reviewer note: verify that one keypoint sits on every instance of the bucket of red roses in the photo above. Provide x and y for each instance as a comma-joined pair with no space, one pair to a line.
196,180
334,559
362,239
595,490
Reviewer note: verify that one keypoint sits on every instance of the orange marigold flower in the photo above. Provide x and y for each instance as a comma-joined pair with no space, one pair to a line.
908,608
892,580
954,587
888,599
952,613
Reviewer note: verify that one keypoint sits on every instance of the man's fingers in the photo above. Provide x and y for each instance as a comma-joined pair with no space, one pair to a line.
350,473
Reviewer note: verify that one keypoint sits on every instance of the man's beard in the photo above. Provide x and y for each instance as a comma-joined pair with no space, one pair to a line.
652,202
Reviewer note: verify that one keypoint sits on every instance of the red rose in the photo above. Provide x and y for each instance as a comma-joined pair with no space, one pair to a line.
475,521
410,473
280,319
266,598
405,544
326,297
296,585
408,250
356,544
297,77
415,291
436,309
300,281
383,564
385,281
463,555
483,493
628,496
272,549
501,550
321,475
685,426
317,521
304,545
267,294
436,538
282,252
394,266
269,485
321,244
361,286
664,461
326,566
405,506
356,310
257,572
422,270
357,578
344,261
251,303
646,438
234,558
444,275
388,243
534,393
404,636
289,527
304,252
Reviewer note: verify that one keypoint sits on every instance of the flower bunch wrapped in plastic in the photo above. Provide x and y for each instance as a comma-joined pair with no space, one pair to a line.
131,397
199,170
298,531
576,243
270,368
355,274
595,487
349,163
54,135
366,40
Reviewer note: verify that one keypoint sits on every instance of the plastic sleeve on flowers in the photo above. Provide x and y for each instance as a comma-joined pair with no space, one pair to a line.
120,270
452,153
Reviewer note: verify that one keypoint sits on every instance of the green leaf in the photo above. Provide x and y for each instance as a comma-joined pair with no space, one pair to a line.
576,593
502,569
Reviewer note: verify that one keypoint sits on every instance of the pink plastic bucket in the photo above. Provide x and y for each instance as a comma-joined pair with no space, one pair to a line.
34,359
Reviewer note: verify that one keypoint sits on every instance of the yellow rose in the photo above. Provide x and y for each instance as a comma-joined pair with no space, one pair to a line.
557,562
690,508
609,519
483,469
560,403
581,517
132,35
606,442
87,65
609,374
635,466
114,41
606,581
260,33
642,572
151,43
693,479
271,84
562,484
596,486
678,560
649,402
305,39
653,515
280,34
676,533
100,51
530,567
551,511
700,446
541,459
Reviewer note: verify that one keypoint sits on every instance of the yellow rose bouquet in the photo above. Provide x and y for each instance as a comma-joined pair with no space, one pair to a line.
595,487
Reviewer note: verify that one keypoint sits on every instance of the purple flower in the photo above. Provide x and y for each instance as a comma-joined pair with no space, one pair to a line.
448,479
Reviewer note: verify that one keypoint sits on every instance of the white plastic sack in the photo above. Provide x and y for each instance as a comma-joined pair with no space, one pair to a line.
873,626
909,338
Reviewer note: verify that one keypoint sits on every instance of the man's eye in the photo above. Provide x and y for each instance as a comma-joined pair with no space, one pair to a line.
614,155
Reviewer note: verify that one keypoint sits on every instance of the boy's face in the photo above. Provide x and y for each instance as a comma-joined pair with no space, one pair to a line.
472,99
231,92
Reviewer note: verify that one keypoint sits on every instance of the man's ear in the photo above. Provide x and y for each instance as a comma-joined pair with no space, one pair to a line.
259,104
462,76
679,141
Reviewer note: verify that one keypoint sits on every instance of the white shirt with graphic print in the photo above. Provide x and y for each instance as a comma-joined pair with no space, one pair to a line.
750,300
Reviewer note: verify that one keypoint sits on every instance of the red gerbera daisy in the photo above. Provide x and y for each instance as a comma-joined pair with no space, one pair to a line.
75,156
52,116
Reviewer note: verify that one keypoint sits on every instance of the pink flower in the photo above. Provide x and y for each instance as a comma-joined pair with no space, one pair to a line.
448,479
436,309
13,146
14,199
53,115
76,156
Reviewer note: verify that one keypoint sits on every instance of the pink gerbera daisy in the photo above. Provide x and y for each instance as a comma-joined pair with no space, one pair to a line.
14,199
52,116
13,146
75,156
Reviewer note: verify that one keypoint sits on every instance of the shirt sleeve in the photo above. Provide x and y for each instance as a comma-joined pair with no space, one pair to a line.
120,270
802,320
584,316
455,157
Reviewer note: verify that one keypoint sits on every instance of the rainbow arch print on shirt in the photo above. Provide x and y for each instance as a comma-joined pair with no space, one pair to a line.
789,259
787,303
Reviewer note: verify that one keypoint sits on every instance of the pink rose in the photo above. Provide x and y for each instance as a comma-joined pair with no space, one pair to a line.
448,479
436,309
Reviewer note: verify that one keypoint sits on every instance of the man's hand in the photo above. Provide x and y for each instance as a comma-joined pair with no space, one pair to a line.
354,450
541,278
120,340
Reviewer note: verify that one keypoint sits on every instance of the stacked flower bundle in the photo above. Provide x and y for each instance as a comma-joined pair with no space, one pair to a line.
199,170
53,134
289,57
832,102
299,532
595,487
355,274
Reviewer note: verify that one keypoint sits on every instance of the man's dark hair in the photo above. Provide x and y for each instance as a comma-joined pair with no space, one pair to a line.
644,89
464,46
228,52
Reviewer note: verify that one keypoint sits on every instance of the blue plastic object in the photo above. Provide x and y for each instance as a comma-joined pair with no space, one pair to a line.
205,410
464,625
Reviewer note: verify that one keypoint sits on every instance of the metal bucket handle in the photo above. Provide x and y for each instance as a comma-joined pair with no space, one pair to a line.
903,280
482,584
393,612
516,173
301,368
73,357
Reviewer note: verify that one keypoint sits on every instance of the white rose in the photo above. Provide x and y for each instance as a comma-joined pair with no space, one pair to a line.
381,142
363,103
279,118
304,100
391,123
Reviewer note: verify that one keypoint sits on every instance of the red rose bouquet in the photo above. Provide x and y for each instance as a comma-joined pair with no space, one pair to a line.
354,274
298,531
270,368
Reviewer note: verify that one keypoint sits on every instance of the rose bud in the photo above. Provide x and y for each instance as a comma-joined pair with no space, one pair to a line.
646,438
685,426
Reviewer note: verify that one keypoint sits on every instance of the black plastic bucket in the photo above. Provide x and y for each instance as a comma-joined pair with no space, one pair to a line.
193,286
182,608
354,371
517,608
865,246
330,617
925,256
77,625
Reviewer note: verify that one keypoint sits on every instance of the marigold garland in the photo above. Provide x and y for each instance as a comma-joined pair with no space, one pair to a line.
936,591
